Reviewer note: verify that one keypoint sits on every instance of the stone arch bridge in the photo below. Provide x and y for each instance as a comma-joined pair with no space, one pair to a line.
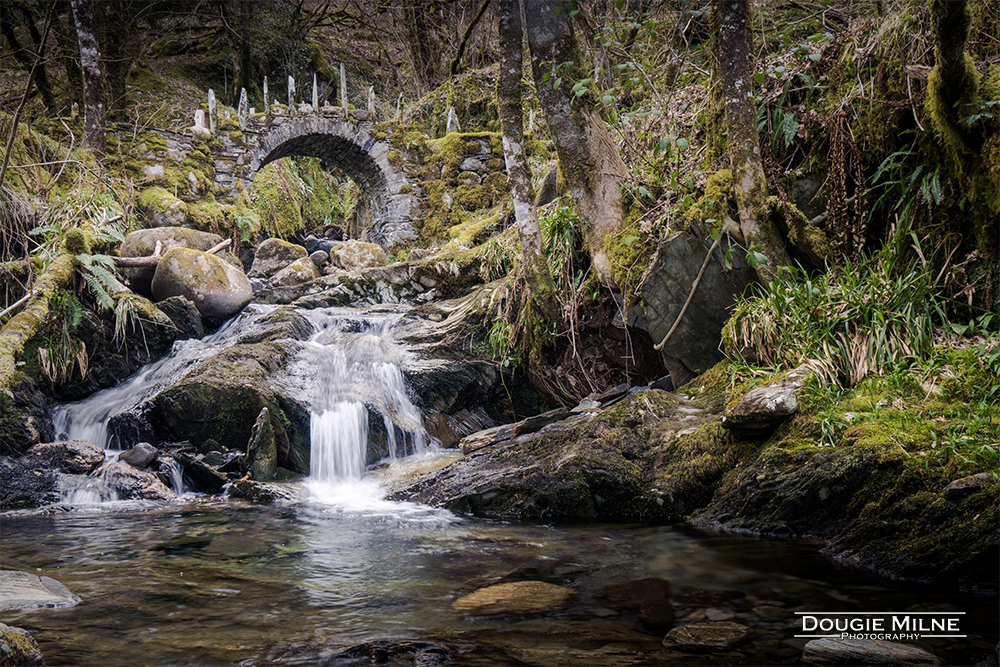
349,144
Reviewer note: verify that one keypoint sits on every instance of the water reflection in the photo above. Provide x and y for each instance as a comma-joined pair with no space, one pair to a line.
208,582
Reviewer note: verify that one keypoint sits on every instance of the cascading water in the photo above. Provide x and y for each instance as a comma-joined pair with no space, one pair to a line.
349,372
88,419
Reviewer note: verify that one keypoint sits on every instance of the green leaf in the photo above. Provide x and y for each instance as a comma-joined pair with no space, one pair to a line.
815,57
682,143
759,77
608,99
630,240
557,83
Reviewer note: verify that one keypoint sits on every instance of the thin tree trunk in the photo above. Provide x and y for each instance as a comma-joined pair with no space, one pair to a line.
749,181
533,265
69,55
94,109
456,62
588,159
953,83
24,56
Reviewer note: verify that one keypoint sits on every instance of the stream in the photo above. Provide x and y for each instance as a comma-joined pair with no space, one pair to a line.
208,581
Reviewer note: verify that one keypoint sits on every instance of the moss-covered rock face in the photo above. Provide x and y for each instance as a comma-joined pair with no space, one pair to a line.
273,255
160,208
224,397
218,289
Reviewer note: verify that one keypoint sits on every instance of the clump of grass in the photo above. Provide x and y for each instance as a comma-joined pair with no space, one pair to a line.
869,317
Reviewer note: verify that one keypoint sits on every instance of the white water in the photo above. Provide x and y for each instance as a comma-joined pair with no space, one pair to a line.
88,419
352,373
348,372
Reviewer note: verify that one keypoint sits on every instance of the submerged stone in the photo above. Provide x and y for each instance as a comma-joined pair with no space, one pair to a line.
707,637
519,597
852,652
23,590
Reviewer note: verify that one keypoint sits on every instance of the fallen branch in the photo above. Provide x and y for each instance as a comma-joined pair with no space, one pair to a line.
14,306
153,260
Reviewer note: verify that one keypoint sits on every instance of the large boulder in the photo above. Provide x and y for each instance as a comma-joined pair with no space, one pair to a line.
354,255
262,452
76,457
25,486
222,399
273,255
142,243
218,289
694,346
299,272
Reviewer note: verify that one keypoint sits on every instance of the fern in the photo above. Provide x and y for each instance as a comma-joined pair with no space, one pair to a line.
99,272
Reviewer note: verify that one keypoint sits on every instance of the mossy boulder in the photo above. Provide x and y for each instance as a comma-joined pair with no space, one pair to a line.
18,648
353,255
273,255
142,243
160,208
299,272
222,399
218,289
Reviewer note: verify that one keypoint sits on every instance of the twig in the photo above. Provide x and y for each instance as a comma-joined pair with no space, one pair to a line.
704,265
16,304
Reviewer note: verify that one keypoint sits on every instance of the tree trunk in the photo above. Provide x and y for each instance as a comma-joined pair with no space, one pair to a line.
749,181
953,81
588,159
69,53
534,268
93,91
422,44
24,56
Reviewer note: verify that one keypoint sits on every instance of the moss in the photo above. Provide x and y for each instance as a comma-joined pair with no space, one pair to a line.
714,204
277,196
473,197
473,232
207,217
405,189
395,159
236,136
76,242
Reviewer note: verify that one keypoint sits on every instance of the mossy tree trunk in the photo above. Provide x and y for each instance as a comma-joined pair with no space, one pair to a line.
953,81
534,269
423,43
94,107
733,70
588,158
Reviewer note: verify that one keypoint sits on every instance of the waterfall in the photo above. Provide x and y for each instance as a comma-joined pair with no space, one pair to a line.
88,419
350,372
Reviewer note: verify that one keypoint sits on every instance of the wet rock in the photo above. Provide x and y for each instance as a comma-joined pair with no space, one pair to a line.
694,346
142,243
762,409
184,544
217,288
18,648
282,323
498,434
23,590
132,484
707,637
25,417
319,257
259,493
519,597
76,457
140,456
856,652
708,597
587,405
416,653
769,613
353,255
965,486
299,272
24,486
273,255
185,316
262,452
222,398
203,477
649,597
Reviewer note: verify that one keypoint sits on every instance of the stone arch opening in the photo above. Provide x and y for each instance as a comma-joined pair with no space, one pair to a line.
386,190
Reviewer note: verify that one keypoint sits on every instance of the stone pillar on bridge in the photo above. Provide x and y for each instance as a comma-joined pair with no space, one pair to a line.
267,105
371,103
241,112
212,111
343,91
315,94
291,95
